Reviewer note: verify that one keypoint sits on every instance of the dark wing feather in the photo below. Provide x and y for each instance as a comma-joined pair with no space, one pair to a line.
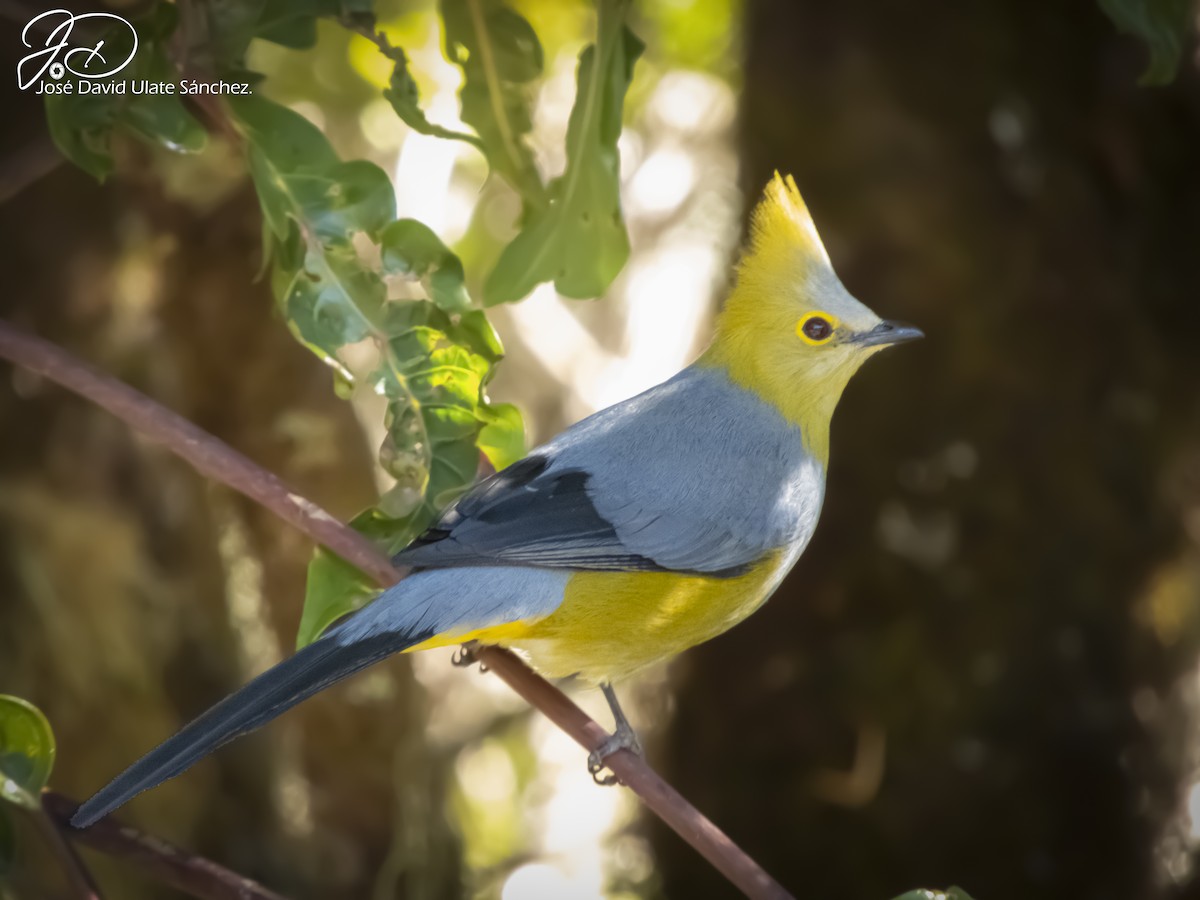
526,515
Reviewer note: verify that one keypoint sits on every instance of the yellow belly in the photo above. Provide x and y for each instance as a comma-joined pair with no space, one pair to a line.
611,624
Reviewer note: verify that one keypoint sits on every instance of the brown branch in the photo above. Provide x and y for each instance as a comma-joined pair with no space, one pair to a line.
223,464
184,871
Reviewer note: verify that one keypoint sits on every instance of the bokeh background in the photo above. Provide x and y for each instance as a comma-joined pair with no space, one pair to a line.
986,668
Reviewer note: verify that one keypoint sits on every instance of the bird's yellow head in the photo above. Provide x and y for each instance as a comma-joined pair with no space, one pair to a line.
789,331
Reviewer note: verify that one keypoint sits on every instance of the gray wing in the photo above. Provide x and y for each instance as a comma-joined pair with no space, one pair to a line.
695,476
530,517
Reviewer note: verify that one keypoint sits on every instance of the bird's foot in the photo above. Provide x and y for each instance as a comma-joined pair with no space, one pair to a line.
465,657
624,738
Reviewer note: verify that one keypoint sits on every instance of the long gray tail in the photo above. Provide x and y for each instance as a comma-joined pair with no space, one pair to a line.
278,689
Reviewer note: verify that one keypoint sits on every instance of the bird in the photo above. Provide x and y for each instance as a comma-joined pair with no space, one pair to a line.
642,530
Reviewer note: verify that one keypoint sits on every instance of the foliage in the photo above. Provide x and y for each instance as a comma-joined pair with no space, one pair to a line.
1161,24
500,55
26,760
578,240
345,270
26,752
954,893
82,124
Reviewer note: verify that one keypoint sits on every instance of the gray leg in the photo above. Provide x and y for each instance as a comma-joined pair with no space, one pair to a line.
623,738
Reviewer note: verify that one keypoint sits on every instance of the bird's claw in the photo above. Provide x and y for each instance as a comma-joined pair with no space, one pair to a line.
465,658
621,739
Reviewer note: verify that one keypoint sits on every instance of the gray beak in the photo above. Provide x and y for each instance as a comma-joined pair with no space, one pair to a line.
886,333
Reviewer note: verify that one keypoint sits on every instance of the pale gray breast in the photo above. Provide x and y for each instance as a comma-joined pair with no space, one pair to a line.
696,473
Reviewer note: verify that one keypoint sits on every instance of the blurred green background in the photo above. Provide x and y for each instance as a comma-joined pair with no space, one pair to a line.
984,670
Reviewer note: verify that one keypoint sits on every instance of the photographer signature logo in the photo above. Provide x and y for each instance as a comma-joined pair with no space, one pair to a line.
48,34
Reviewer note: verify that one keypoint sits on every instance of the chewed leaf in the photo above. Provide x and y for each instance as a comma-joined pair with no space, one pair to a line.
579,241
411,248
499,53
299,178
333,300
26,752
402,93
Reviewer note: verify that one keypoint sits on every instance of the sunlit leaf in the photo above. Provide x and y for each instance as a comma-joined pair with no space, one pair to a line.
579,241
1163,26
499,54
502,439
26,752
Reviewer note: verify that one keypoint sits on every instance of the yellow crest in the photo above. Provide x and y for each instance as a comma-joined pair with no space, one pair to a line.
781,227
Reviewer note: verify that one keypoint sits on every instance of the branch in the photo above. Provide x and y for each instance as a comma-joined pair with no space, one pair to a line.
186,872
225,465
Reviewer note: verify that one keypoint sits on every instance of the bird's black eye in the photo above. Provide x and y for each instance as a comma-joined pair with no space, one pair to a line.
816,329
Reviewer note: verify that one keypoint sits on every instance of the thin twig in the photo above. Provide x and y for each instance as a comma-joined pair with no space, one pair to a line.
220,462
184,871
209,456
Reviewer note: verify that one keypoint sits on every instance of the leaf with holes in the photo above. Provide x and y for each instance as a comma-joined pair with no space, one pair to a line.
405,98
411,248
298,177
26,752
579,241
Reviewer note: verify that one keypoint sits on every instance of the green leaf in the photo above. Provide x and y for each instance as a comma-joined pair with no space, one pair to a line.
81,130
411,248
26,752
499,54
1161,24
579,241
405,98
333,300
314,204
502,439
82,125
299,178
334,589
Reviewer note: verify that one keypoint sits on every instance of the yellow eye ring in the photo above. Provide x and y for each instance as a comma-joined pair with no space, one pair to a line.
816,328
